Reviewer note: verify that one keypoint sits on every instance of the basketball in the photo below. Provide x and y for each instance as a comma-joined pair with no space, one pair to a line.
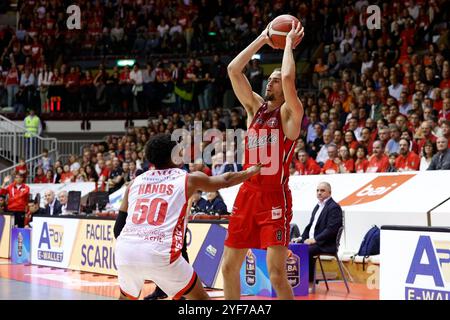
279,28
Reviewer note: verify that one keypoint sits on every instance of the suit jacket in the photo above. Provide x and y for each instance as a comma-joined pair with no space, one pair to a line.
327,226
57,208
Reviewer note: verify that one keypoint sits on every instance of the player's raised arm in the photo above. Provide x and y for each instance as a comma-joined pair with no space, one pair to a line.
201,181
292,110
241,86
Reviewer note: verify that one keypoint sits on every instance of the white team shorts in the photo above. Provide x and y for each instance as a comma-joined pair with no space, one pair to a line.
174,279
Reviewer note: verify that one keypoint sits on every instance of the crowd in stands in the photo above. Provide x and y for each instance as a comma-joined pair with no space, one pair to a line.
381,101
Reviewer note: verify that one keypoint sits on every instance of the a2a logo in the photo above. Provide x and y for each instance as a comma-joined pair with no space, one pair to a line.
52,236
431,259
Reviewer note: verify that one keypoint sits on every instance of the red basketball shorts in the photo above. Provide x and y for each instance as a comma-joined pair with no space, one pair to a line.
260,217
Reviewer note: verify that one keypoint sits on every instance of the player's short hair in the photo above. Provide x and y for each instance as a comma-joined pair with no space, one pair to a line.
158,150
276,70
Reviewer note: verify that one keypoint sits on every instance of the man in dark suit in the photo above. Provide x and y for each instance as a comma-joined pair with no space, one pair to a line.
52,205
326,219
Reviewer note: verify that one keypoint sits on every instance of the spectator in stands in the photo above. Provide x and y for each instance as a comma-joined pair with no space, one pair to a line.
338,138
21,168
137,80
445,129
392,159
91,174
404,105
407,160
322,155
378,161
332,165
321,232
428,151
115,179
67,175
134,171
33,209
426,135
305,164
361,162
74,164
63,197
58,173
214,204
393,144
384,135
52,205
348,164
255,75
396,88
354,127
49,175
351,142
40,177
12,85
44,80
18,193
45,161
198,203
230,164
441,160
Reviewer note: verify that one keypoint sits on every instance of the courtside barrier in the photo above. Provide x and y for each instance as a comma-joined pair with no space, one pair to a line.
415,263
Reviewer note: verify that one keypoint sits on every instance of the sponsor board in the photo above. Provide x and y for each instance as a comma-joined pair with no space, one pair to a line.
20,246
6,222
255,278
415,268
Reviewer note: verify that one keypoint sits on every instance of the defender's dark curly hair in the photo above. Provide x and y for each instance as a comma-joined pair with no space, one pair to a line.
158,150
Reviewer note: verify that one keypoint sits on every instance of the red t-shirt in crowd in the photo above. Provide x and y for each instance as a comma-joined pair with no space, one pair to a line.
40,179
206,170
311,167
361,166
411,161
444,115
445,84
378,165
422,141
349,165
330,167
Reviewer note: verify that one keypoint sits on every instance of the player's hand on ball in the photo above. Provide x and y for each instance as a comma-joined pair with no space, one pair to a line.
296,34
265,36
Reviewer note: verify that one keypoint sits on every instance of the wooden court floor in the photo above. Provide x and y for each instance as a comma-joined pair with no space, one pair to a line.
26,282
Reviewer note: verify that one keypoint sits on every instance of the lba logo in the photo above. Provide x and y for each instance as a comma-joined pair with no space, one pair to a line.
430,264
51,239
375,189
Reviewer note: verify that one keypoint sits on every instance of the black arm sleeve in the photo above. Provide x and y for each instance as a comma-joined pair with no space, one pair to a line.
120,223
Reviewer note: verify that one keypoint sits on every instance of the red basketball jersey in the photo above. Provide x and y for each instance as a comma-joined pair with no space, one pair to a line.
266,143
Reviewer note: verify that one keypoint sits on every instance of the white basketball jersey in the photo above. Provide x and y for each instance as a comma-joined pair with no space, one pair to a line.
156,220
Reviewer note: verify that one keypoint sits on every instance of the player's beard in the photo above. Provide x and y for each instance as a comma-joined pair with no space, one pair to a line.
269,97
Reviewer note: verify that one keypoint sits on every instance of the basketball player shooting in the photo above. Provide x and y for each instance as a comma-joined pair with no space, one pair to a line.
153,218
263,207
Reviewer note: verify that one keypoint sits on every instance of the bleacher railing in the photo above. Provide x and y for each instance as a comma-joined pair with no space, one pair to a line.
68,147
15,144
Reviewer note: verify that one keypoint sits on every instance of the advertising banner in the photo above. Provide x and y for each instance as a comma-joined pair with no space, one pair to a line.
422,272
5,234
255,278
208,260
20,246
93,250
53,240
